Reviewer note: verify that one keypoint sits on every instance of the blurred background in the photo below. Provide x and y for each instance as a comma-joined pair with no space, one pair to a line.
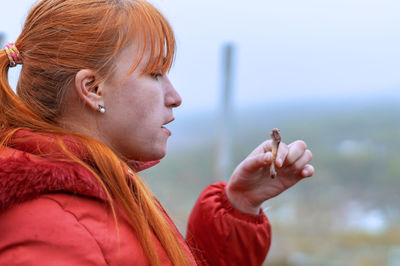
327,72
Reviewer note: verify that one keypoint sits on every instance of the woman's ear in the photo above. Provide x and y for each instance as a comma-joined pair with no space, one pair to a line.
91,95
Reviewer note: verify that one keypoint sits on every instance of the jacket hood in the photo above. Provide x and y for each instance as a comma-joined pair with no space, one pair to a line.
24,175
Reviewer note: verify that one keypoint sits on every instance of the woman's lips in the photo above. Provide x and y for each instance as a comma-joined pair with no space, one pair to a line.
167,131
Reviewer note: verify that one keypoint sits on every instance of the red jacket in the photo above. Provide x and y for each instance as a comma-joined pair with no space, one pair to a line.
53,213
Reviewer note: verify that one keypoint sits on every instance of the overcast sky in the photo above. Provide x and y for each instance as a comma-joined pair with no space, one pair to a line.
286,49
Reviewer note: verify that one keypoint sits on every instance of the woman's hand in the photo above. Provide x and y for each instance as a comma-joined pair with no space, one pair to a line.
250,184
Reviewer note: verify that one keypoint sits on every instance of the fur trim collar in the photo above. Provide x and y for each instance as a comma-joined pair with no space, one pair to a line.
23,179
24,175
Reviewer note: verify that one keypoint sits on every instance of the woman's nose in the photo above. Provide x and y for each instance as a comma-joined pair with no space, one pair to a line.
172,97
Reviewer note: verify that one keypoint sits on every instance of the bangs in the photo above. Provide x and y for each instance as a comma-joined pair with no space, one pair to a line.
154,36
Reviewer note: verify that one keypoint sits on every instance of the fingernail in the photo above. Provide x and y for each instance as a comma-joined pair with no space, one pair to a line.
305,172
268,156
279,162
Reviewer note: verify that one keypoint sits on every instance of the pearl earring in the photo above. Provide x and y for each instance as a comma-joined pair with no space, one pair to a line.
102,109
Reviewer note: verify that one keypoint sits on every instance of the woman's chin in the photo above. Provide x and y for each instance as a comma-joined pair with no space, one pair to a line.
140,166
157,156
153,155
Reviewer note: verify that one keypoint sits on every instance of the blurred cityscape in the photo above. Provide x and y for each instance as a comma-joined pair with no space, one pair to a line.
347,214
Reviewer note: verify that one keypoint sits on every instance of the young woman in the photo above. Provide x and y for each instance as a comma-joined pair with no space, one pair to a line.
91,109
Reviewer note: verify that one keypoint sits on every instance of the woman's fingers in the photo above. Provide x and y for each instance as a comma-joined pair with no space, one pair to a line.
266,146
307,171
294,155
283,151
255,162
303,160
296,151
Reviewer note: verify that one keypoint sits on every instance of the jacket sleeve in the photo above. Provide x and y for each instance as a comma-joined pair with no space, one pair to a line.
219,234
40,232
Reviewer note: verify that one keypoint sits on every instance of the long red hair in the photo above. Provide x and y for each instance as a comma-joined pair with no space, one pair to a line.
61,37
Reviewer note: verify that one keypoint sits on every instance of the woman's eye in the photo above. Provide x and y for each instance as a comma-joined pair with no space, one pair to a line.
156,75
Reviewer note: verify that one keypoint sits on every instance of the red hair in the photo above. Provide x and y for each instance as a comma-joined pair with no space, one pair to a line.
61,37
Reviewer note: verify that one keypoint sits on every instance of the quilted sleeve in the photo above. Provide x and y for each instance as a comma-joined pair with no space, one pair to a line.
219,234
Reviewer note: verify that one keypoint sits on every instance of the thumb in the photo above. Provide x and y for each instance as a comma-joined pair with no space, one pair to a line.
255,162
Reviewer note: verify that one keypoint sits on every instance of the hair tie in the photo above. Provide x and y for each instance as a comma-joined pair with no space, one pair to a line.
13,54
